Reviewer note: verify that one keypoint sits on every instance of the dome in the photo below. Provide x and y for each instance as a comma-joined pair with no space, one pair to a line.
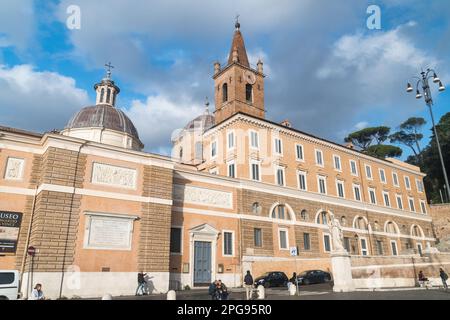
204,121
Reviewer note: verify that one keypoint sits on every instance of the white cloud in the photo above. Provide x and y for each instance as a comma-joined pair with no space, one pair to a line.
37,100
16,23
361,125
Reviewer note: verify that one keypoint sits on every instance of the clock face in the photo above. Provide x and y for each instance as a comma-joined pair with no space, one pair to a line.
249,77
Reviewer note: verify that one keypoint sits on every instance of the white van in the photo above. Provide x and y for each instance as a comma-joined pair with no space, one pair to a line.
9,284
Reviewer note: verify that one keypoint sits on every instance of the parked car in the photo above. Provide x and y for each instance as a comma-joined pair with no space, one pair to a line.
313,276
272,279
9,284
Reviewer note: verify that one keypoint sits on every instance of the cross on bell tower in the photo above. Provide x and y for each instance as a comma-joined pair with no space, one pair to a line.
106,90
109,66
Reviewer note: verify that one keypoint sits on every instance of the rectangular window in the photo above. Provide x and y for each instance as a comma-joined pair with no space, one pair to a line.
394,248
278,146
319,158
306,241
214,149
254,140
175,240
419,185
255,171
364,250
399,202
357,192
353,168
257,236
407,183
231,170
372,196
283,239
302,180
230,138
322,182
228,243
395,179
280,176
379,247
340,189
412,208
326,242
369,172
337,163
382,176
423,207
299,152
387,200
347,244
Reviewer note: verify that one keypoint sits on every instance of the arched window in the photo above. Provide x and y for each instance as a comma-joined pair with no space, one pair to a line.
304,215
102,95
280,212
108,95
390,228
249,92
256,208
113,99
323,218
416,232
225,92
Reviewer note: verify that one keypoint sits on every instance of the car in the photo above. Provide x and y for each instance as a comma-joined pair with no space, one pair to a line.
9,284
272,279
313,277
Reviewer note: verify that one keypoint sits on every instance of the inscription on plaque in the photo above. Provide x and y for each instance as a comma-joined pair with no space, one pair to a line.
108,232
113,176
203,196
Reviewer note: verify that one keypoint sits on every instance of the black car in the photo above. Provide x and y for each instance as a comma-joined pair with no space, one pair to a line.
313,276
272,279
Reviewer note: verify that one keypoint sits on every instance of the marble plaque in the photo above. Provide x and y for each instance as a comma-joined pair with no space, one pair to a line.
114,176
105,232
203,196
14,169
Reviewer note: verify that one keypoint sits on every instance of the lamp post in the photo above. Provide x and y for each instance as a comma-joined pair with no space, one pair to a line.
426,94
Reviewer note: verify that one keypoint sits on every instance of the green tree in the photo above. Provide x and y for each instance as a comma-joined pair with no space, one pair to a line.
383,151
410,134
364,138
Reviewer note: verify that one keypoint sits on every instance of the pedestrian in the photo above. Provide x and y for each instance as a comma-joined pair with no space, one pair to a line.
141,284
422,277
444,278
212,289
37,293
221,292
248,284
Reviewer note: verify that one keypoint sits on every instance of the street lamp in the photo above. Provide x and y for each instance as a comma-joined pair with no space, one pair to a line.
426,93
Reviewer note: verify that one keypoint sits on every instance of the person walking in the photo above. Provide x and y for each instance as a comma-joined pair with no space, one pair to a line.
248,284
37,293
141,283
444,278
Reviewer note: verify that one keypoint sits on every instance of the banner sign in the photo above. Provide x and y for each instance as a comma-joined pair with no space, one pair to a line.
9,231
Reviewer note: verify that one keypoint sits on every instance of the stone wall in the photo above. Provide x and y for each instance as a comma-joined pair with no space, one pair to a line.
441,220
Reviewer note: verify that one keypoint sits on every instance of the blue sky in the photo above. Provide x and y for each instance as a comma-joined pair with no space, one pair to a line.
326,71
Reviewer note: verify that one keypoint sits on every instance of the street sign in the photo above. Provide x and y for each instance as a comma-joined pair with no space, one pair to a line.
31,251
293,251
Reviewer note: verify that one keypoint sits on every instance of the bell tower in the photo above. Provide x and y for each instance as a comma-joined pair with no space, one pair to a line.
238,87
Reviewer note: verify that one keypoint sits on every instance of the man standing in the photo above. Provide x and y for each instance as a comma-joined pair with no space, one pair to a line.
141,283
444,278
248,284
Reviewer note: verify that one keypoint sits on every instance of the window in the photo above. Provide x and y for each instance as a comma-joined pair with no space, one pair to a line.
299,152
357,192
372,196
306,241
391,228
213,149
279,212
369,172
412,208
387,200
399,202
108,95
228,243
254,140
360,223
423,207
337,163
395,179
326,242
407,183
7,278
419,185
231,170
394,248
353,168
304,215
419,249
322,218
249,92
224,93
283,239
257,236
302,180
278,146
280,176
340,189
175,240
364,250
230,140
319,158
102,95
322,183
255,170
416,232
379,247
382,176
